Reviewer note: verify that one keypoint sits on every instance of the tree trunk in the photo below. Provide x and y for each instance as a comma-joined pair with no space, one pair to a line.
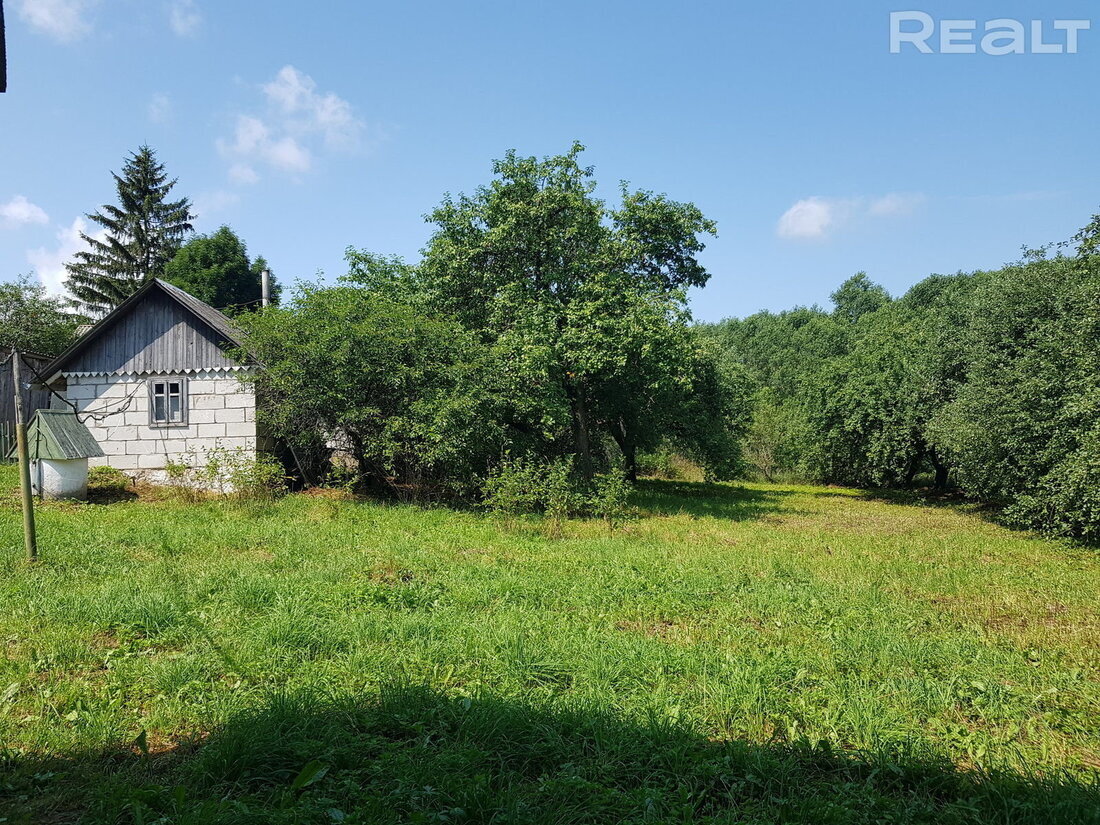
913,468
942,470
624,437
582,441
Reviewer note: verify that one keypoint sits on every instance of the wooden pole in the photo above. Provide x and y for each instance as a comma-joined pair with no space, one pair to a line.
30,540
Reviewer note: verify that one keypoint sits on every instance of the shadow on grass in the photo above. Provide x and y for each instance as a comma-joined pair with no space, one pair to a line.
723,501
960,502
110,494
415,755
929,497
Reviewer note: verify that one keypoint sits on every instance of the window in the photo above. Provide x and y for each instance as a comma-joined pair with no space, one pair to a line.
168,402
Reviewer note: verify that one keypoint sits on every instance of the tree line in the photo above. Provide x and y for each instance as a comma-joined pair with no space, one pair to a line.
544,335
541,345
988,382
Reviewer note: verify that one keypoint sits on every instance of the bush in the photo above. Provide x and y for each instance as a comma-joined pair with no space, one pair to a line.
608,498
1066,502
658,464
531,486
408,395
669,464
232,473
107,480
553,489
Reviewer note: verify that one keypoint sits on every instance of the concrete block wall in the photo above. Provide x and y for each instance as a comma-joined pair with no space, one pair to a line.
221,414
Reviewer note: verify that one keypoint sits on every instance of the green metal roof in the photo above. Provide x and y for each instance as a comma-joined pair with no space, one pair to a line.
59,435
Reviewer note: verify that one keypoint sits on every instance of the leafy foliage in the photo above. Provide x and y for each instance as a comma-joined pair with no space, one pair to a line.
142,234
215,268
30,319
235,473
586,305
407,396
1022,429
532,486
540,330
990,378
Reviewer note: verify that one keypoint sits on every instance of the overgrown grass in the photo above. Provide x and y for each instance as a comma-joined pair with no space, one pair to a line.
753,653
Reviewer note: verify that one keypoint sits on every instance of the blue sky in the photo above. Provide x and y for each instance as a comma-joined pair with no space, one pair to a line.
309,128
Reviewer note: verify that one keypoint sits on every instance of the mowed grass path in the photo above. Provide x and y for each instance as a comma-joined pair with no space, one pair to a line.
738,653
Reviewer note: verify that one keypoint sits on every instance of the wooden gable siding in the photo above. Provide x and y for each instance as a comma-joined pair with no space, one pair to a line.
158,336
33,398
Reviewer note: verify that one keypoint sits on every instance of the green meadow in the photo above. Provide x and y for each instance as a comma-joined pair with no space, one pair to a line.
733,653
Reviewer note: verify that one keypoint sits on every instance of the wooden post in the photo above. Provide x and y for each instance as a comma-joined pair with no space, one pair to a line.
30,540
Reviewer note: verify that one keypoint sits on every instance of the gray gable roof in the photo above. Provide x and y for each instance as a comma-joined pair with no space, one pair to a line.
160,328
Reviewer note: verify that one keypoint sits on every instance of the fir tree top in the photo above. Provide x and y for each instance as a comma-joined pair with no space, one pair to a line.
143,232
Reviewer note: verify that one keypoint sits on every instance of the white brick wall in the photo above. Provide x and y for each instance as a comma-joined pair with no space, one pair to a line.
221,414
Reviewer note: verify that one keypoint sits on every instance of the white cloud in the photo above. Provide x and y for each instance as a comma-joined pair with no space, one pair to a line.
160,109
817,218
20,211
251,135
296,124
294,94
63,20
209,204
242,173
809,218
289,155
895,204
49,264
254,141
184,17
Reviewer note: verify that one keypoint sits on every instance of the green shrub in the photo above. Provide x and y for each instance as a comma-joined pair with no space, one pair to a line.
658,464
107,480
608,498
1066,502
234,473
553,489
530,486
262,477
669,464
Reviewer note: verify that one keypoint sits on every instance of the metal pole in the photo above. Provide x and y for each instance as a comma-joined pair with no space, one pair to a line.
265,287
30,540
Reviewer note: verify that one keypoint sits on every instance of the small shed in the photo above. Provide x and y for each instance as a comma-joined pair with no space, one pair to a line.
34,398
59,446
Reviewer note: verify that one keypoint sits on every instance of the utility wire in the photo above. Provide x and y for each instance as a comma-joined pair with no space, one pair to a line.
94,415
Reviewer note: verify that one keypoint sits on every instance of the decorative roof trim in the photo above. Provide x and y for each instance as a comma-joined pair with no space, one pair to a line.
139,373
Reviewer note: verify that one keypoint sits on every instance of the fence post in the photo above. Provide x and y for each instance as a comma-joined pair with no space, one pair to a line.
30,539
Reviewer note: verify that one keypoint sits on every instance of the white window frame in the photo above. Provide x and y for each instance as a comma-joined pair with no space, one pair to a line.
166,382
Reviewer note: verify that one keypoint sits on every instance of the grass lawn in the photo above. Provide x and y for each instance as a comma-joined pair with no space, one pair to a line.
738,653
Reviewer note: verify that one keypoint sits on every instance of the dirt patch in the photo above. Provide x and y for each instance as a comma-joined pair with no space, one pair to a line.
329,494
667,630
390,574
1048,625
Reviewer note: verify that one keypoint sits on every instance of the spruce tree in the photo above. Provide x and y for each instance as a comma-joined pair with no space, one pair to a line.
144,232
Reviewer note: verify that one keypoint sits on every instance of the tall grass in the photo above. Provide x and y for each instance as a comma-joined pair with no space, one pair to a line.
753,653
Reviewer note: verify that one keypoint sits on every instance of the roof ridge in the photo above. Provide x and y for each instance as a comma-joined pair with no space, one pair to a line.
213,318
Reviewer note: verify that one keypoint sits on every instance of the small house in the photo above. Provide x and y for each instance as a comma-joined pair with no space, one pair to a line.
156,386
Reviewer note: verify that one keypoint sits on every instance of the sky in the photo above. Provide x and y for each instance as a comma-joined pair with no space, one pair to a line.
309,128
